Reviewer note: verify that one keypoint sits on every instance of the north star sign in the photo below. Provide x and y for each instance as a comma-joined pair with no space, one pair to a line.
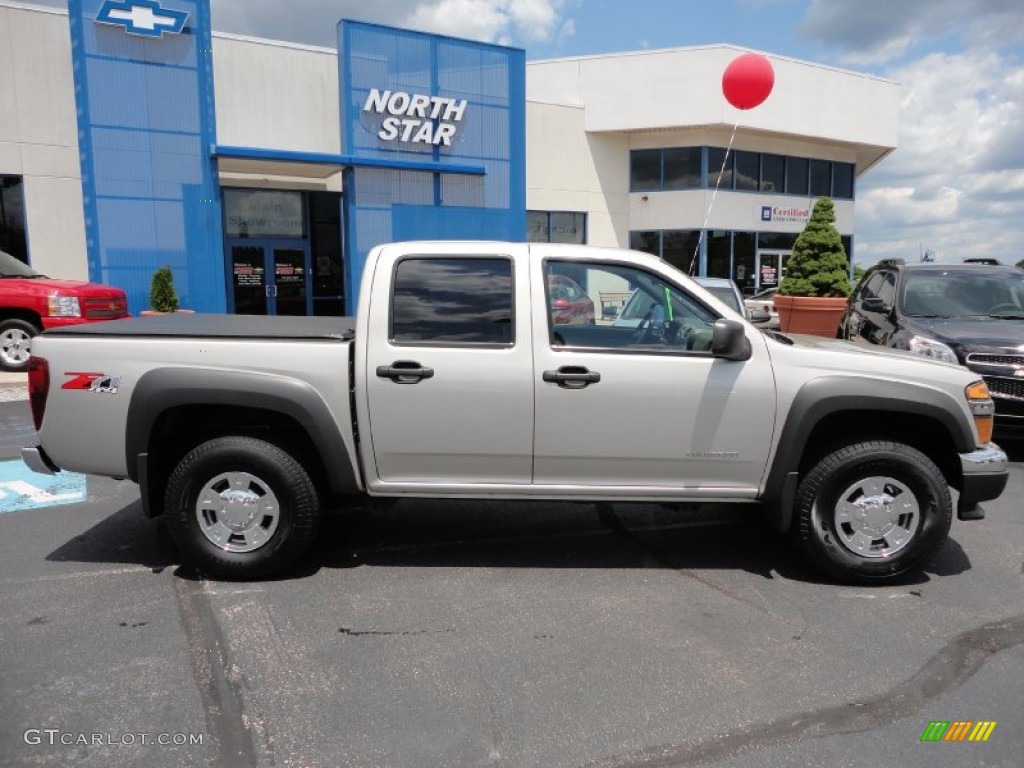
142,17
415,118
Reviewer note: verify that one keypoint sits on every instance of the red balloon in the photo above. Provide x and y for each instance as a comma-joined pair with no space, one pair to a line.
748,80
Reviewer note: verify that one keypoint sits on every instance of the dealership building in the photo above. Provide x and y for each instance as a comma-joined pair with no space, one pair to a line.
133,136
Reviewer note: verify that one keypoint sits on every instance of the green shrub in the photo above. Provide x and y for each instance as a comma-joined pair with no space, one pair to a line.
162,296
818,265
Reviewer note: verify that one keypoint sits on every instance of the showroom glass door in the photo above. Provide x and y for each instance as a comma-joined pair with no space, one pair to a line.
270,278
770,267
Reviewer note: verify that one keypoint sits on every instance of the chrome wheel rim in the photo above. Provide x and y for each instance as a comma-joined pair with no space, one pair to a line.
237,512
876,517
15,346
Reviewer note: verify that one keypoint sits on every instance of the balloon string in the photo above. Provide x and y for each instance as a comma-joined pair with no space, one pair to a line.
707,215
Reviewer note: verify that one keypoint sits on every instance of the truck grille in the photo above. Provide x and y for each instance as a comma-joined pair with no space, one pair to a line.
105,309
1009,388
1008,361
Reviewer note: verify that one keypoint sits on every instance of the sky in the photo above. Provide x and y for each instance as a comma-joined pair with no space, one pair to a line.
954,186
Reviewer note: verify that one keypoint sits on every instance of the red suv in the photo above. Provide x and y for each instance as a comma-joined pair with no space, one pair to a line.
30,303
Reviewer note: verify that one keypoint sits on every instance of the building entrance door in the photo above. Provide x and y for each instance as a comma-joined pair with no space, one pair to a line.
769,269
270,278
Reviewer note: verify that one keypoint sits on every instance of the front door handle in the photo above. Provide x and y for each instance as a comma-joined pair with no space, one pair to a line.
404,372
572,377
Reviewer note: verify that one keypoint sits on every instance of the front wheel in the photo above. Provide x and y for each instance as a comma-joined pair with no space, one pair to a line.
241,508
15,344
871,512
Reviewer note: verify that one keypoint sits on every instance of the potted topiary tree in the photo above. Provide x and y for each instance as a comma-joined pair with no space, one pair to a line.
813,294
162,296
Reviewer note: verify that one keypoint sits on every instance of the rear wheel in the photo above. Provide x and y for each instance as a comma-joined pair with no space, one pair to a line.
15,344
872,512
238,507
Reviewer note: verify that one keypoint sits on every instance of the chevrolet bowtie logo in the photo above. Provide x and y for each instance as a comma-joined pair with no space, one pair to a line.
142,17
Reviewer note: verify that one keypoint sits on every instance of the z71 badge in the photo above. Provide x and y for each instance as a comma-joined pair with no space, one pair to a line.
92,382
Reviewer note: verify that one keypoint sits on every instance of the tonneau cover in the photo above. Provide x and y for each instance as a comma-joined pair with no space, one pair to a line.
187,324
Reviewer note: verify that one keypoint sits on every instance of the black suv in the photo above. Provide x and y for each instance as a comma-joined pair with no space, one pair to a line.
971,314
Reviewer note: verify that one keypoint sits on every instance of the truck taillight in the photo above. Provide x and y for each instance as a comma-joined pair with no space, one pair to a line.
38,388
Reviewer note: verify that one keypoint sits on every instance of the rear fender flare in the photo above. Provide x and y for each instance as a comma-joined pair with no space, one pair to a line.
164,388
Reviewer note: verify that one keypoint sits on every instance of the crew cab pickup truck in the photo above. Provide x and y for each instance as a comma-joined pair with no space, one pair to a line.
455,381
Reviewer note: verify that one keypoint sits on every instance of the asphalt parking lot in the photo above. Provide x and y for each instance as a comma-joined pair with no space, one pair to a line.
475,634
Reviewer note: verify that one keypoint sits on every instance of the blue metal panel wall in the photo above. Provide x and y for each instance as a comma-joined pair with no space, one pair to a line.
386,205
145,125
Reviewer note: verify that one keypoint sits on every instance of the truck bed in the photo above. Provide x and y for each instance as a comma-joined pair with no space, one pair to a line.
189,325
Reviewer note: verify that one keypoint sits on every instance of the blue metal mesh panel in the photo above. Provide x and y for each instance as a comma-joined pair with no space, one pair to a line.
387,205
146,123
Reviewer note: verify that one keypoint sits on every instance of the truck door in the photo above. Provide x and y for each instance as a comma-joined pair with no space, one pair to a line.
449,382
638,401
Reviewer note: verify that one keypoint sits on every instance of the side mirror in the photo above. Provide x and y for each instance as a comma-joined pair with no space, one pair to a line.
873,304
759,316
729,340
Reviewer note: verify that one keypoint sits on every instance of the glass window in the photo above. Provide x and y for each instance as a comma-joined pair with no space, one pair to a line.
719,254
12,218
263,213
716,157
887,289
680,249
776,241
568,227
644,170
657,316
325,246
965,293
537,230
743,273
647,242
748,171
796,175
842,181
682,168
821,178
452,300
773,173
556,227
869,288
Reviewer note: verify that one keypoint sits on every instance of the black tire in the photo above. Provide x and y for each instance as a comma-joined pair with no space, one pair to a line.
240,476
872,512
14,344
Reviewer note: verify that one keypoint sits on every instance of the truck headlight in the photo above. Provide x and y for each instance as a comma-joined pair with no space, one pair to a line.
932,349
64,306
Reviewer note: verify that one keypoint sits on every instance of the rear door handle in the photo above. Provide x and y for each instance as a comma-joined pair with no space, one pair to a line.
404,372
572,377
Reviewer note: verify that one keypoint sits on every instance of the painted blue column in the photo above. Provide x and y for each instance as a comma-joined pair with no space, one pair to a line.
477,98
143,74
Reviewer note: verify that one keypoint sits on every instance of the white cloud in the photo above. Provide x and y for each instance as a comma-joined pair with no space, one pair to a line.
517,22
874,31
955,183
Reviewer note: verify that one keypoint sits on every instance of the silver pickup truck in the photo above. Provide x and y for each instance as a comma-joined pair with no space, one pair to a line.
481,370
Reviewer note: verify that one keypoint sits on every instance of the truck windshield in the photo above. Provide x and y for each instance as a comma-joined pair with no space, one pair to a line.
11,267
962,293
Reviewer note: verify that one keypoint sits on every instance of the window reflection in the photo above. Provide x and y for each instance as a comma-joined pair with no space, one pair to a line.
451,300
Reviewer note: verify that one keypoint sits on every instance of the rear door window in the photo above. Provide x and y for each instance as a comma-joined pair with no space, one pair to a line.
451,300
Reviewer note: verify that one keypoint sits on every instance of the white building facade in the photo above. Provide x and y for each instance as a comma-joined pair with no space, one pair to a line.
620,150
